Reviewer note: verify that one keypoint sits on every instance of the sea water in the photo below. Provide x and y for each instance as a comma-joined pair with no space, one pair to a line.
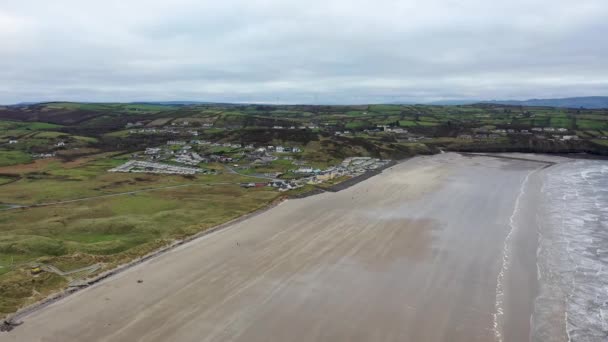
572,303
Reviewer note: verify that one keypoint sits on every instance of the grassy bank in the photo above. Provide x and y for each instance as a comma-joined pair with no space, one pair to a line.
107,230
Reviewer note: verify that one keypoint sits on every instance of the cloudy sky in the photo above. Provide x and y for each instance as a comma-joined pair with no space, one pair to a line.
314,51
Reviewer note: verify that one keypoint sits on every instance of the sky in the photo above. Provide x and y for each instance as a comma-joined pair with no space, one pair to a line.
314,51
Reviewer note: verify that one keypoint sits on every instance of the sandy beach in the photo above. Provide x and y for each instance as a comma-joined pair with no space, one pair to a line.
439,248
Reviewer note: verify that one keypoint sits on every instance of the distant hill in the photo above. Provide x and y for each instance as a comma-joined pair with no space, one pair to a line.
452,102
590,102
173,103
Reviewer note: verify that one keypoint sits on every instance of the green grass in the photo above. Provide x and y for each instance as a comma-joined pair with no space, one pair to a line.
591,124
385,108
5,180
356,124
76,106
14,157
33,126
51,135
86,140
427,123
58,182
118,134
602,142
111,230
561,122
407,123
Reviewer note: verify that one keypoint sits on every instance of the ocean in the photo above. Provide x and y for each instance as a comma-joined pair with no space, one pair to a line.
572,303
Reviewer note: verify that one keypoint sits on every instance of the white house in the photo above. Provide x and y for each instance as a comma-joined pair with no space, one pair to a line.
12,142
60,144
304,169
398,130
152,150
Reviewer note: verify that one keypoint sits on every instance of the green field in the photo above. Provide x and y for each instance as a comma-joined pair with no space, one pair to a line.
33,126
14,157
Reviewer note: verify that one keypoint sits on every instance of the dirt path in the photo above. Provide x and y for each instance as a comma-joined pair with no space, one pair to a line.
412,254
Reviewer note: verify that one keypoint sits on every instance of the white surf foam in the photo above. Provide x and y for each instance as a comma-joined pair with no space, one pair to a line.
573,255
506,262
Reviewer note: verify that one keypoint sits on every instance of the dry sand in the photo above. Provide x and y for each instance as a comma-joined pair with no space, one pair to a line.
413,254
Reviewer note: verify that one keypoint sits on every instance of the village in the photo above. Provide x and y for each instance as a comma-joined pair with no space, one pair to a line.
181,157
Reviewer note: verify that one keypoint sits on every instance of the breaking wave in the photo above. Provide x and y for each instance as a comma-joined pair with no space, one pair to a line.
572,303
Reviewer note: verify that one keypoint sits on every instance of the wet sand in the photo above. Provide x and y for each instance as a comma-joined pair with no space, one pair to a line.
413,254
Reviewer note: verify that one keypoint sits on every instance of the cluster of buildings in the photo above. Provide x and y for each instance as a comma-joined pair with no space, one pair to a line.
190,158
164,130
549,129
194,152
479,136
481,133
43,155
386,128
138,166
311,126
281,185
351,167
175,128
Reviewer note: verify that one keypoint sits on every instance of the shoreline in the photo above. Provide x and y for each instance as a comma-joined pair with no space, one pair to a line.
513,317
14,320
519,283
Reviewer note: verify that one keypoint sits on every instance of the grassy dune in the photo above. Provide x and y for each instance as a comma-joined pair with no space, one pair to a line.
108,230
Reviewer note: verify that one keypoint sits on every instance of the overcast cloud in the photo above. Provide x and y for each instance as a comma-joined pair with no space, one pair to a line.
323,51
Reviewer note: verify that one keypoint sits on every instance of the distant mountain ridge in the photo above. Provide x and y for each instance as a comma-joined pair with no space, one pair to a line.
590,102
173,103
